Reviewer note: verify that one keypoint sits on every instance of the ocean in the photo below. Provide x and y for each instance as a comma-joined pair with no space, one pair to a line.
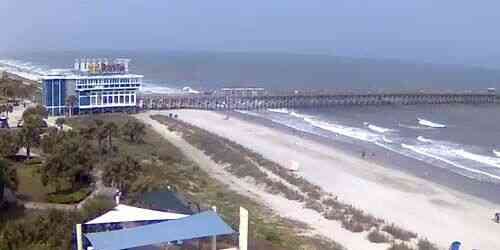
463,140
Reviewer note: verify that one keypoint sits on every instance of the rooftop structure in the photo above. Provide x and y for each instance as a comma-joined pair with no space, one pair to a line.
238,91
93,85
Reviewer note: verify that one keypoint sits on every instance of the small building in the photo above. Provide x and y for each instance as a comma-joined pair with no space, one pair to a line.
93,85
252,91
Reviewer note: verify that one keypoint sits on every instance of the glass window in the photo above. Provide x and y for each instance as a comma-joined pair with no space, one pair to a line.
127,99
121,99
116,99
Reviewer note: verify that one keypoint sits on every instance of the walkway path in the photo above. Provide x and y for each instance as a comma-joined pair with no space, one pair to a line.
99,190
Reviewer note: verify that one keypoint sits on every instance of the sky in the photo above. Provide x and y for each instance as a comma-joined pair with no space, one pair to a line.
444,31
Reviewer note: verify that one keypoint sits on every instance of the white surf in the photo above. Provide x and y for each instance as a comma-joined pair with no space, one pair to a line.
430,124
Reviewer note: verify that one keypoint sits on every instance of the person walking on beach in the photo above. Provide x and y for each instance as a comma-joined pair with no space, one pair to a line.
497,217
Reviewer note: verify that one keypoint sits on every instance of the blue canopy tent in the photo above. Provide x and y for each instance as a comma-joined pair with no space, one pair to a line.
200,225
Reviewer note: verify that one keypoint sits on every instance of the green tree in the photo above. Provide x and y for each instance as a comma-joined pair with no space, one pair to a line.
60,122
51,139
7,108
8,178
111,130
71,101
9,144
133,130
38,110
70,164
3,170
29,135
100,134
121,172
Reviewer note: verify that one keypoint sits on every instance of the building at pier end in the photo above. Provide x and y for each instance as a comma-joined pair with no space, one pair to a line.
92,86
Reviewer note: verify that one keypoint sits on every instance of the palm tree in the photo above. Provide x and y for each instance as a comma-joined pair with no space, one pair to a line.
70,102
60,122
100,133
29,135
111,130
3,108
9,109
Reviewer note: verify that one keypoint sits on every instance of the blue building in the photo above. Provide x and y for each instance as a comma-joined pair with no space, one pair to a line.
94,85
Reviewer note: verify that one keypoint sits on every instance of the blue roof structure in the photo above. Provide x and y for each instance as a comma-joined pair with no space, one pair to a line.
195,226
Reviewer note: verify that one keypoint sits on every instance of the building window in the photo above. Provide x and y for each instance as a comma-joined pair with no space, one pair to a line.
116,99
121,99
127,99
105,100
132,98
110,99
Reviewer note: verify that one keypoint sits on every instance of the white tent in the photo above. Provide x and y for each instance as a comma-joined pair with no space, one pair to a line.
124,213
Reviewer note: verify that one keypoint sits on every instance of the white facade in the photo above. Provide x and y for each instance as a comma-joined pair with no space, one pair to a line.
107,91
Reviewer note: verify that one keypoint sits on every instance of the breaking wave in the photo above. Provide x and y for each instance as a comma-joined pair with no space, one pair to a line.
281,111
352,132
423,139
430,124
487,160
377,128
496,153
431,154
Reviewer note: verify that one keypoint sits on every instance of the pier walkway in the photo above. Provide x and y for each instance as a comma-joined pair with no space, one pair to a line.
307,100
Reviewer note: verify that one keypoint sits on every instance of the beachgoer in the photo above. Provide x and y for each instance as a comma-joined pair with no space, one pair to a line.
497,217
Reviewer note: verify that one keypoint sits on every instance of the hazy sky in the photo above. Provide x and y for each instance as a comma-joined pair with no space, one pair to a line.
423,30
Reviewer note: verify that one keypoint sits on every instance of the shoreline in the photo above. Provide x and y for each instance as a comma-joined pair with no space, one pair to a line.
437,212
480,189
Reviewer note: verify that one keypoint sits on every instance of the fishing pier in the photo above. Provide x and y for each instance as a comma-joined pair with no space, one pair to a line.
248,99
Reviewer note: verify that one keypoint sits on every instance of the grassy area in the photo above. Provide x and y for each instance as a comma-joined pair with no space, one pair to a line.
166,165
30,186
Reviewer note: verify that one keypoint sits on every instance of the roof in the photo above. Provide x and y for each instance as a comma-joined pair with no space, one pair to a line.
165,200
196,226
124,213
71,76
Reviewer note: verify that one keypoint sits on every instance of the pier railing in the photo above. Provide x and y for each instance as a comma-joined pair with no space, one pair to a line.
308,100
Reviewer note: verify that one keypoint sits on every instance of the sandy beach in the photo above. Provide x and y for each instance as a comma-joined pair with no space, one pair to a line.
435,212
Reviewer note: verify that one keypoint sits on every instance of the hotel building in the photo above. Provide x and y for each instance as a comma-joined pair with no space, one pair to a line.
92,86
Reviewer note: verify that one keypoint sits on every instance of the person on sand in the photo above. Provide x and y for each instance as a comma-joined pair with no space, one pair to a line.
497,217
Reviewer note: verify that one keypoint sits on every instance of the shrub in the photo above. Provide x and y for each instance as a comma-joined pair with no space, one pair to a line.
376,236
69,198
333,215
314,205
96,207
33,161
398,232
399,246
424,244
352,226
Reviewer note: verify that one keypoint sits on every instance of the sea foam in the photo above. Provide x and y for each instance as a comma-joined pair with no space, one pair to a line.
430,124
